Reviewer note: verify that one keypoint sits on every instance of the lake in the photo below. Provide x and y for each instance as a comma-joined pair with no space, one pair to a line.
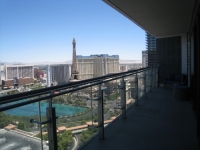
32,110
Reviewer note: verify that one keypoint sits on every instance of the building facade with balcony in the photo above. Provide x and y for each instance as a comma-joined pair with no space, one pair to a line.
151,49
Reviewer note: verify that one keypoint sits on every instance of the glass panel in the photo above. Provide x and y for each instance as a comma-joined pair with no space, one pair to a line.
147,80
16,130
90,118
75,112
43,133
140,85
131,91
112,101
13,89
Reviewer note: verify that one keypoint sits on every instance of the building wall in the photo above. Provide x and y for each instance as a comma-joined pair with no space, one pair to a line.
19,71
151,49
184,53
144,58
25,71
97,65
85,68
193,41
49,76
11,72
150,42
2,76
192,54
168,56
112,65
152,57
59,73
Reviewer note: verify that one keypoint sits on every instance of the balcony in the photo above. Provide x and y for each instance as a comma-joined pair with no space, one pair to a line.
159,122
150,117
38,119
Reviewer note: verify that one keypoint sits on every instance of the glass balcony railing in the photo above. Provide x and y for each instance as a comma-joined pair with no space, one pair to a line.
68,115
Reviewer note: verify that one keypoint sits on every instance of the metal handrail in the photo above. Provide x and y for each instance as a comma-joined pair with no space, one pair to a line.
68,87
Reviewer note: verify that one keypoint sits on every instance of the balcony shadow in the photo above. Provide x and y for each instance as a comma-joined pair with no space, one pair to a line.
159,122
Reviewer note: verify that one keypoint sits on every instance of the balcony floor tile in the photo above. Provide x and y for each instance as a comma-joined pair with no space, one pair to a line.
160,122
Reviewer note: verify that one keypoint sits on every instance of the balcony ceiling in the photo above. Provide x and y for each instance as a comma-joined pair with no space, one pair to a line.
161,18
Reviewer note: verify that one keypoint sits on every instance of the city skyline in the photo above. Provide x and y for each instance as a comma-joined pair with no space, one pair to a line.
42,31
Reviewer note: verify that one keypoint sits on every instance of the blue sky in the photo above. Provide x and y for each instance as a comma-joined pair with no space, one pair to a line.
42,31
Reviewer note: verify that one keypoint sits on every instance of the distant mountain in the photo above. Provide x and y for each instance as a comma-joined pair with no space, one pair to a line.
121,61
35,63
11,63
130,61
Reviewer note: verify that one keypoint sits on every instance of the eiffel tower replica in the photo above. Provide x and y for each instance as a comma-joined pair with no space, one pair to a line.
74,72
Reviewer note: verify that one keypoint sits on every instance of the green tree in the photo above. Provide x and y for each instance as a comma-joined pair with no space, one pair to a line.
87,134
44,136
69,101
105,110
64,140
95,118
114,96
83,122
71,125
21,126
77,103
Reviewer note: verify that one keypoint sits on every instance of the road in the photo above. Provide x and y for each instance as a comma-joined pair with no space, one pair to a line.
17,141
5,91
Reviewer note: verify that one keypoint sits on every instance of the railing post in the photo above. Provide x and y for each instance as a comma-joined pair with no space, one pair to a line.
123,97
157,77
100,114
144,82
136,90
51,125
154,77
151,79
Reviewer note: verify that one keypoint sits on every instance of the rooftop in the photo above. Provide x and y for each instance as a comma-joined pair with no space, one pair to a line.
98,55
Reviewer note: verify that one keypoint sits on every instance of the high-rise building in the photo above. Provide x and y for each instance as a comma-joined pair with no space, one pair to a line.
2,76
19,71
97,65
49,79
144,58
151,49
15,75
58,73
150,42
